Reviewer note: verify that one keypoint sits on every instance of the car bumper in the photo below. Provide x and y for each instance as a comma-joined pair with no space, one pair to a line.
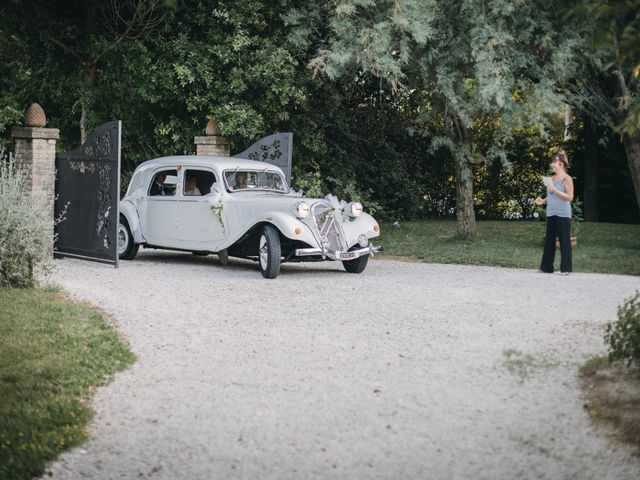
338,255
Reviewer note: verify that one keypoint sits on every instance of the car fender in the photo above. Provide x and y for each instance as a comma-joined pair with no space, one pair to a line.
287,224
353,227
130,212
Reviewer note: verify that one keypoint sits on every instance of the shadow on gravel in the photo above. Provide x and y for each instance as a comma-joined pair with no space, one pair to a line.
173,258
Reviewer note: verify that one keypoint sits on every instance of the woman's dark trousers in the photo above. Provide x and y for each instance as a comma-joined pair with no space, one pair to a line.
559,227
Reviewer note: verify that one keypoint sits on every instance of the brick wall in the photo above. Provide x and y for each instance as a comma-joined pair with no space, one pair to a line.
35,155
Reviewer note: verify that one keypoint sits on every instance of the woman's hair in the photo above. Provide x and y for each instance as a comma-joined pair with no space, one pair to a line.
561,157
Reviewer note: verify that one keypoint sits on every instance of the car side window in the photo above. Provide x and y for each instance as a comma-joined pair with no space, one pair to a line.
164,183
198,182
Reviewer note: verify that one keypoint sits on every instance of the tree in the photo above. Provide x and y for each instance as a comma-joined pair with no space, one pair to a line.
606,88
85,32
222,59
470,64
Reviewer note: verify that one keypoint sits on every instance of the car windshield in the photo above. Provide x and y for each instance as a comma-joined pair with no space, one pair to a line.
238,180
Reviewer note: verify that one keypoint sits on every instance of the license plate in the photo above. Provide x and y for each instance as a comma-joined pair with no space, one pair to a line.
348,255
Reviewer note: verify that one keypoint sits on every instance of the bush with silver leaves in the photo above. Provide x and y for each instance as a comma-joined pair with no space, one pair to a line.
24,244
623,336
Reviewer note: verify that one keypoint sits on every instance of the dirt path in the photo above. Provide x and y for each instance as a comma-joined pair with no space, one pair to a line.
407,371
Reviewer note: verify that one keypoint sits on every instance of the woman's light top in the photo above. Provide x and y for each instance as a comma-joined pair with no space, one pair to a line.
558,206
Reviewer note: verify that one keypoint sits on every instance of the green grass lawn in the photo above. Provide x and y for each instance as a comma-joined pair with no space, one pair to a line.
602,247
52,352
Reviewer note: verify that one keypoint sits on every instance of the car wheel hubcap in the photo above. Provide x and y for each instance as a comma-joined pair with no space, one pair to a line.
264,252
123,239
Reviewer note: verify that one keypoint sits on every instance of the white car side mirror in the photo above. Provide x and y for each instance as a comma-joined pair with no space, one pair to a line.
214,196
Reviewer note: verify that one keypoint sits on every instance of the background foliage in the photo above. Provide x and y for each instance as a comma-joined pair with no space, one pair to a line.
246,63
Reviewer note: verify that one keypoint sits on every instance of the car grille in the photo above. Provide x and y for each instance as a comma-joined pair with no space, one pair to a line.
328,227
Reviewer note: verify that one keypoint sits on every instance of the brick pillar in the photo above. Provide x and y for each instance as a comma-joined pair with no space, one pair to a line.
35,156
212,143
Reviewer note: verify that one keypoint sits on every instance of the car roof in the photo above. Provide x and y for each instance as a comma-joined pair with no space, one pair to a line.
221,163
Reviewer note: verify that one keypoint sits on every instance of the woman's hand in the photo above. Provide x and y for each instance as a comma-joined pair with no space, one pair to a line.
539,201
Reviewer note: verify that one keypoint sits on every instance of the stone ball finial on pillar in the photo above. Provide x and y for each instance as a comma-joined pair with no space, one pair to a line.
212,128
35,117
212,143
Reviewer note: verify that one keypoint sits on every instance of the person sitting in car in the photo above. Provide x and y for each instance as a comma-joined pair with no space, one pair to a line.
157,188
190,186
241,181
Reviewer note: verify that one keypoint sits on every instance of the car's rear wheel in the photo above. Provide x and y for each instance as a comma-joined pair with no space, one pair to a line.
269,252
127,249
357,265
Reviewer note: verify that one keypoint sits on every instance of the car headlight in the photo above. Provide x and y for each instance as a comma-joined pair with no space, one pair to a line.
354,209
302,210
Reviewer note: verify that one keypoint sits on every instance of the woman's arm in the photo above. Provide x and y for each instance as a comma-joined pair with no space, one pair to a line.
568,186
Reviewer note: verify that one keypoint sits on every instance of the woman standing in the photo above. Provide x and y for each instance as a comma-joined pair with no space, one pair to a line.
559,197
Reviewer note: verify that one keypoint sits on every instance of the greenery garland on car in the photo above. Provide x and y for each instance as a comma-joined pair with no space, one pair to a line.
217,209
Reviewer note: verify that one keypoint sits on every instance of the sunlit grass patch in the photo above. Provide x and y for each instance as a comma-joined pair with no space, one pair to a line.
53,351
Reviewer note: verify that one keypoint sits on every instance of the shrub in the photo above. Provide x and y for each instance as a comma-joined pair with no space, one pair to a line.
310,182
24,244
313,185
576,217
623,336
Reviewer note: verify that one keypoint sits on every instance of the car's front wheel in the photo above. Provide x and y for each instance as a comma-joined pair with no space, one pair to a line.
357,265
127,249
269,252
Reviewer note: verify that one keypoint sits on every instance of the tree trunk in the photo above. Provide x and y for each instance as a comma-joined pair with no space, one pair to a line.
83,124
464,199
631,145
631,142
90,79
591,213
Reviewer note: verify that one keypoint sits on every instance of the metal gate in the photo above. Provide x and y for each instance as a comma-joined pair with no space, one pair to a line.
276,149
87,196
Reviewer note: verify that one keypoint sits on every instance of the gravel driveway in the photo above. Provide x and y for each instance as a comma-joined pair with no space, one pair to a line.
408,371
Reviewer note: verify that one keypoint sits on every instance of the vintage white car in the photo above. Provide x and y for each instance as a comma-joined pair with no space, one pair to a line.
241,208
